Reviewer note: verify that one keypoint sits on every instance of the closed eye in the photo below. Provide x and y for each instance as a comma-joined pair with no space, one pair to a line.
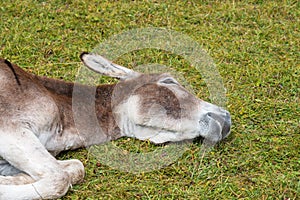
169,81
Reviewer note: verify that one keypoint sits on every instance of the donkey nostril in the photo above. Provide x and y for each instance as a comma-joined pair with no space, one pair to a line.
209,114
214,116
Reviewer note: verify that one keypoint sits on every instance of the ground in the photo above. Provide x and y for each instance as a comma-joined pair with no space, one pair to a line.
255,45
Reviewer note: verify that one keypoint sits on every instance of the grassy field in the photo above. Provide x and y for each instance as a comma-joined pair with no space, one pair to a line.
255,45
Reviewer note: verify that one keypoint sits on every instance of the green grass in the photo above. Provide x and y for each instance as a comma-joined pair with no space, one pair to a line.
255,45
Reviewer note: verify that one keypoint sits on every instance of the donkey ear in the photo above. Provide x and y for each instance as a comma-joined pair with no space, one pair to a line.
103,66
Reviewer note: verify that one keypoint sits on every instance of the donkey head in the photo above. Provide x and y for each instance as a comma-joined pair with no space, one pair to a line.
156,107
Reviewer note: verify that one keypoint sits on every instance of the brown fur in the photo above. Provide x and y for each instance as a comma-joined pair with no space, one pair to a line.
61,92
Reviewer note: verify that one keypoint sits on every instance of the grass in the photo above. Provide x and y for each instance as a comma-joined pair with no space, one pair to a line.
255,45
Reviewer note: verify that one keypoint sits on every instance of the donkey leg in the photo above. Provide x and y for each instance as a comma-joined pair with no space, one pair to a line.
22,149
74,168
19,179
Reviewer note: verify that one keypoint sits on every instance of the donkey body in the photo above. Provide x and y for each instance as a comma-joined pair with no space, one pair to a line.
37,122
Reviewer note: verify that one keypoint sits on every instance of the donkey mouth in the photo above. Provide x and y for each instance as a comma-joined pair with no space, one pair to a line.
226,125
224,121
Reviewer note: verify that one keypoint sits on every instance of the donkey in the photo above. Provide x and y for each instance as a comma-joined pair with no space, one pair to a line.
37,122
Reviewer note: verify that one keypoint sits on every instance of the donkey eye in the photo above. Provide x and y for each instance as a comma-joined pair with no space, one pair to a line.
169,81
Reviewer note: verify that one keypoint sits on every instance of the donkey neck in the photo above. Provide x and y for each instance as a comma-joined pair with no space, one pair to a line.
85,111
